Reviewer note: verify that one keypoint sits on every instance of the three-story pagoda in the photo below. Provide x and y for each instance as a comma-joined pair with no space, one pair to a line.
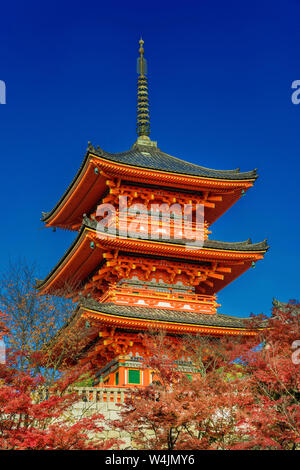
125,281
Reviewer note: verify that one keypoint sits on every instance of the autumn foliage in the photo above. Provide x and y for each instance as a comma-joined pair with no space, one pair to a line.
244,396
207,393
29,420
37,381
270,416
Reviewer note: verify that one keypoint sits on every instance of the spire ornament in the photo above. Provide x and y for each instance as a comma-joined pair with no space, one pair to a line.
143,118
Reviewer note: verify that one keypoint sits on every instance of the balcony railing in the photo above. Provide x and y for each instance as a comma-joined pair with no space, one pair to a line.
101,395
197,302
153,226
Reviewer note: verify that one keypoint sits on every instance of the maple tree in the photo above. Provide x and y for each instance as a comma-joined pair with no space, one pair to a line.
37,394
270,416
244,396
39,336
32,319
180,412
31,420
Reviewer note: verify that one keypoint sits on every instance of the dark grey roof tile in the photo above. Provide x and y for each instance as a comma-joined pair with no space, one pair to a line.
161,314
154,158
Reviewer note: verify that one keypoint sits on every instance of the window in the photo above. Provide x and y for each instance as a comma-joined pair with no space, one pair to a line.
117,378
134,376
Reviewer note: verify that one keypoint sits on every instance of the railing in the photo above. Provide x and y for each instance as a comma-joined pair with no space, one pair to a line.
206,299
198,302
155,226
87,394
101,395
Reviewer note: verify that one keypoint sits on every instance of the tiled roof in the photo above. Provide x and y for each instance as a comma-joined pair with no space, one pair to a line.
161,314
246,245
153,158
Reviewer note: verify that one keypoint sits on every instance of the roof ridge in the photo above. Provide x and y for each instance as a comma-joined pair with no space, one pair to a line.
154,150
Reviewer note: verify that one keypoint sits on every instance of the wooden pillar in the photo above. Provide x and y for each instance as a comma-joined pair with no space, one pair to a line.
122,380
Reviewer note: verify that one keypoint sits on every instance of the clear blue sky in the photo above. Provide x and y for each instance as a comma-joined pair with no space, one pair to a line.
220,77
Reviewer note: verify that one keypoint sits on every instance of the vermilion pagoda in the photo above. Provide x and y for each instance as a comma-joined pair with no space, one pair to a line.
125,284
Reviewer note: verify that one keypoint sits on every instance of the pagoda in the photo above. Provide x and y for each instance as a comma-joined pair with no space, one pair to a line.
126,282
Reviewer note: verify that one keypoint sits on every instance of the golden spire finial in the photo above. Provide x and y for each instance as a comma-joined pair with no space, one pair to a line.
141,49
143,119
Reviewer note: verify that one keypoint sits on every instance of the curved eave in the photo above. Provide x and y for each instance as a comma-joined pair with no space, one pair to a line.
169,326
81,260
152,158
87,187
